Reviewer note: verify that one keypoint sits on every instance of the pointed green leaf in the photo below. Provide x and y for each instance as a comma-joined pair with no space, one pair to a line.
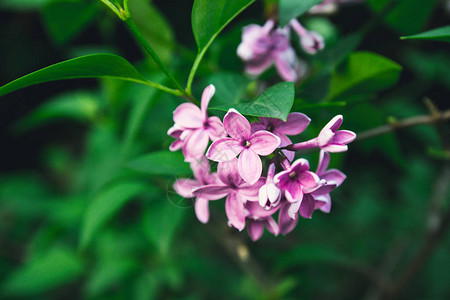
89,66
364,72
290,9
438,34
161,163
275,102
64,19
105,205
210,17
56,268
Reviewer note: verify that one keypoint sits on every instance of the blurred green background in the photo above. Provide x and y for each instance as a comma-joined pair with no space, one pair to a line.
79,220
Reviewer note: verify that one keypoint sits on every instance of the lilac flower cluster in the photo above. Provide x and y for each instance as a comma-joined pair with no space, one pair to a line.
263,46
289,188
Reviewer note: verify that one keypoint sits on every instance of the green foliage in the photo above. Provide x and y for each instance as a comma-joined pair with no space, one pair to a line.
363,73
105,205
65,19
438,34
291,9
406,16
275,102
161,163
89,66
209,18
56,268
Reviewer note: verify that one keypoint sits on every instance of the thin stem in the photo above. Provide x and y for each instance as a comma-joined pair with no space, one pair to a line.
445,115
113,8
194,68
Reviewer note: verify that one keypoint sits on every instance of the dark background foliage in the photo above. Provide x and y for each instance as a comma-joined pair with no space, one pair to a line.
67,230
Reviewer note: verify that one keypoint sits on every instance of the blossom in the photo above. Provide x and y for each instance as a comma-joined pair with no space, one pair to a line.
184,187
269,193
242,141
333,177
295,124
261,47
257,218
234,188
311,41
330,139
296,180
285,223
328,6
193,128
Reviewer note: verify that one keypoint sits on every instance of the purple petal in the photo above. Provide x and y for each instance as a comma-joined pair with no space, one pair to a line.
300,165
184,187
208,93
255,210
250,192
334,148
176,145
293,192
293,209
271,226
195,144
202,210
188,115
201,169
308,179
215,129
284,142
334,176
224,149
249,166
323,190
228,172
255,229
236,125
257,126
343,137
285,223
264,142
258,66
295,124
325,137
324,161
212,191
286,63
334,124
307,206
326,208
234,208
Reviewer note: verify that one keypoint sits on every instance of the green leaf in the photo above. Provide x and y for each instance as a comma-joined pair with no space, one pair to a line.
290,9
58,267
105,205
89,66
161,163
76,105
210,17
156,32
64,19
364,72
230,87
407,16
275,102
160,223
23,5
438,34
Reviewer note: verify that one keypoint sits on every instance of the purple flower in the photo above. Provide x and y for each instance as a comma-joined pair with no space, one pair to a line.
330,139
296,180
243,141
257,218
295,124
261,47
185,187
193,128
311,41
269,193
333,177
234,188
285,223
